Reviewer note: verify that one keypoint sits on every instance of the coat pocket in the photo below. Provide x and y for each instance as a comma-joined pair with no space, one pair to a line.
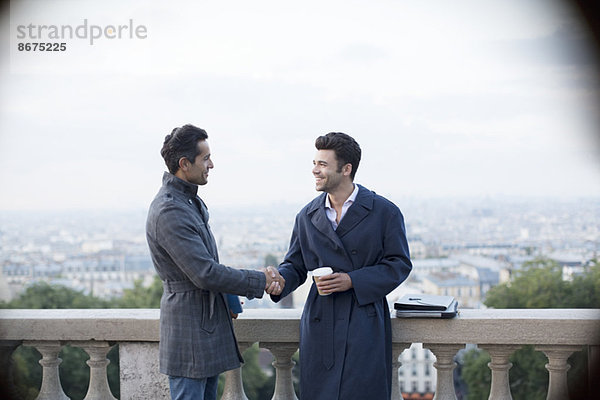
369,310
208,323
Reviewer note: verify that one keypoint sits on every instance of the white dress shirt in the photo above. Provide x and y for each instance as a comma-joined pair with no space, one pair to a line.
330,211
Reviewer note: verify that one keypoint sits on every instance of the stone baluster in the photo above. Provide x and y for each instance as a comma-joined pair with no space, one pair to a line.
557,368
444,354
98,389
500,365
283,352
234,387
397,349
51,388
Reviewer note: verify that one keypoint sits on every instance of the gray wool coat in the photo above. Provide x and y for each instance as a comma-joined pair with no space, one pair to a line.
196,333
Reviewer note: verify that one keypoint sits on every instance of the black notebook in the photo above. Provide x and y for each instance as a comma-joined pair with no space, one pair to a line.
426,306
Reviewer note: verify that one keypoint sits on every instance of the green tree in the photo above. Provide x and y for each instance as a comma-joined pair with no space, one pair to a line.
528,376
270,259
539,284
45,296
586,288
27,372
476,373
257,384
140,296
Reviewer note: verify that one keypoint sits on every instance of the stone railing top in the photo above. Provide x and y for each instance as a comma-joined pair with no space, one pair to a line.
508,326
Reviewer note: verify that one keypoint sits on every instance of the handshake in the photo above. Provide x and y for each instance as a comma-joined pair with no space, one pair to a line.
275,281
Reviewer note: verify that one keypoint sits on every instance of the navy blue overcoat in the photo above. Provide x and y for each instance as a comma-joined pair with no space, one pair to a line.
345,338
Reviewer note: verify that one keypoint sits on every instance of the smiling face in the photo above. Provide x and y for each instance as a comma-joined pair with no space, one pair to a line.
328,176
196,173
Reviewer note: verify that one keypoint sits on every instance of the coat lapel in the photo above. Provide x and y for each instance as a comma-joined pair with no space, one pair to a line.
321,222
357,211
212,244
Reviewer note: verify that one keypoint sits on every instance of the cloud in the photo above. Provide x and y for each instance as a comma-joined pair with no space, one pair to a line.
362,53
463,99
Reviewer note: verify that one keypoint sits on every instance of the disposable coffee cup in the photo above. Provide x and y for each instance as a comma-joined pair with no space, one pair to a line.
318,273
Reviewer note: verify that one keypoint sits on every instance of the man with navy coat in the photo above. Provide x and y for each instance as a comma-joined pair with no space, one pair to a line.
345,334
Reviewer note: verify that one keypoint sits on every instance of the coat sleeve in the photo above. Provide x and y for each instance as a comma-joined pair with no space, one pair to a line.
181,240
292,268
371,283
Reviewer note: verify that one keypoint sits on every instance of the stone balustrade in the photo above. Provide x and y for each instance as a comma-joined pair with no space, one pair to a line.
555,332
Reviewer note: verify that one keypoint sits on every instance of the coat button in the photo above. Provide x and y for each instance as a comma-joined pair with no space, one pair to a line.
354,252
190,201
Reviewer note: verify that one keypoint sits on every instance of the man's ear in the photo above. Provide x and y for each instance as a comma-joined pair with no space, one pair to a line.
184,163
347,169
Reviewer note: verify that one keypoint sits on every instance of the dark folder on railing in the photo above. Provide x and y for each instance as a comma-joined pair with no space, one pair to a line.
426,306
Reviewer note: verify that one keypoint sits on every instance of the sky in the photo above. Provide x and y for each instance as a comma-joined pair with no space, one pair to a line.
463,98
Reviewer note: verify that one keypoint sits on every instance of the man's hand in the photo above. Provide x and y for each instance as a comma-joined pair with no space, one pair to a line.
336,282
275,281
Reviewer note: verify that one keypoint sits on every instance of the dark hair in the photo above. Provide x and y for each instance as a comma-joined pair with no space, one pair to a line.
347,151
182,142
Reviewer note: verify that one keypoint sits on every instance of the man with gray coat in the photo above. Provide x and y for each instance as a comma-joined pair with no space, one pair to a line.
197,341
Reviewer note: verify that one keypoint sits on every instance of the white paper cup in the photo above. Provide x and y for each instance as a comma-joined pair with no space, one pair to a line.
318,273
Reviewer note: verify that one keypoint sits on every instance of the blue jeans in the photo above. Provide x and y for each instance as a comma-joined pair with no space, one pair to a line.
193,389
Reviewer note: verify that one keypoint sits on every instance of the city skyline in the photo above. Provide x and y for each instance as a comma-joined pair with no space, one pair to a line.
476,99
106,251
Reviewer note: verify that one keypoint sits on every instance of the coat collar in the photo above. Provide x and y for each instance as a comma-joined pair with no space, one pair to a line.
189,189
364,198
356,213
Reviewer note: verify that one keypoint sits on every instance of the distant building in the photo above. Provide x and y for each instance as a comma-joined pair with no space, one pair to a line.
418,248
484,270
572,264
515,264
5,290
463,288
417,396
481,262
417,376
428,265
105,274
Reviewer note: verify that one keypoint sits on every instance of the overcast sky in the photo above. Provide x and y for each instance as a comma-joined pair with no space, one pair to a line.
446,98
